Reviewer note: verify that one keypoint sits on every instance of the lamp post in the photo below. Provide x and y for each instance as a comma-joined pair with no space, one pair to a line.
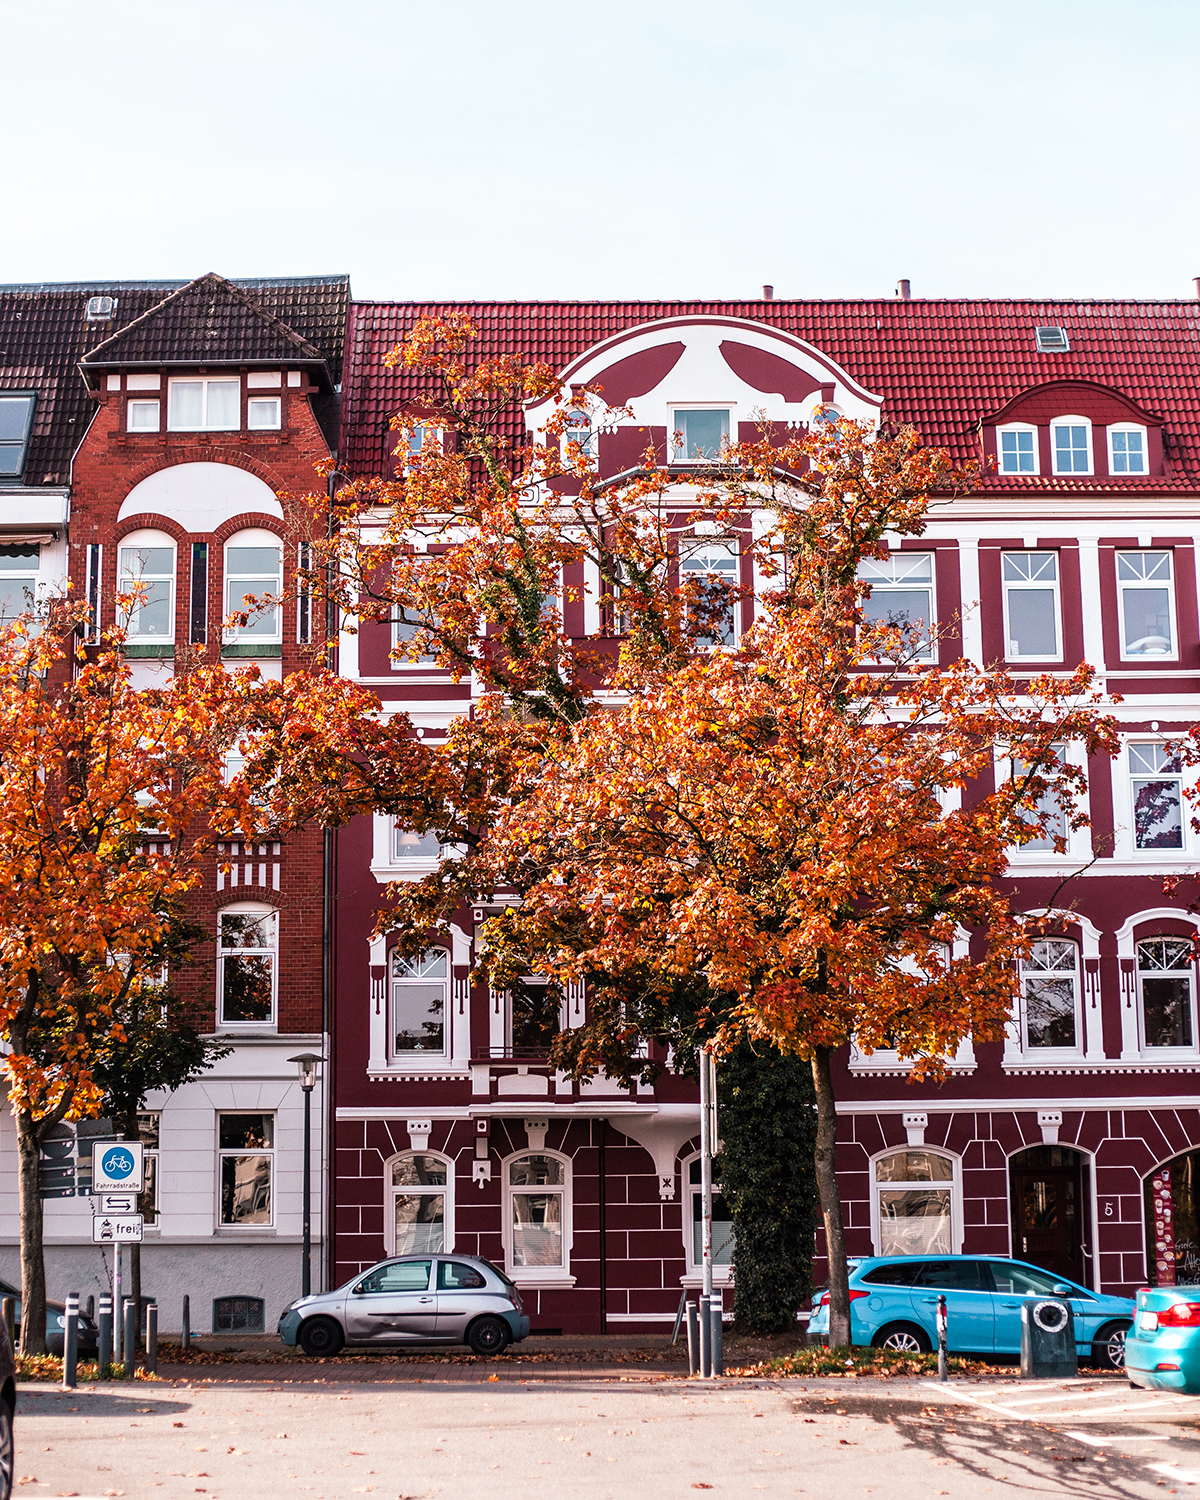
306,1065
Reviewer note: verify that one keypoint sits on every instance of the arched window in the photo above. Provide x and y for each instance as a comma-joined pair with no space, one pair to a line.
915,1203
420,1217
1167,991
146,559
1050,1000
537,1191
1071,445
420,1002
254,569
247,949
693,1224
1172,1207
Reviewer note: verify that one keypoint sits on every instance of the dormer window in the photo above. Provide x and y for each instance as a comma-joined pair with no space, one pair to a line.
1017,450
204,405
698,434
1127,449
1071,445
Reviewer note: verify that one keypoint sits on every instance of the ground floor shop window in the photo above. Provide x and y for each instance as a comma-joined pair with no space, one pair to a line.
722,1228
420,1188
1172,1207
914,1203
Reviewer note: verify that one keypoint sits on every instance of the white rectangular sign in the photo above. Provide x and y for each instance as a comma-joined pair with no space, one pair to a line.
117,1167
115,1203
108,1229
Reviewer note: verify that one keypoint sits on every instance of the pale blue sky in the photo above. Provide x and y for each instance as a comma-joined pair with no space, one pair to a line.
637,148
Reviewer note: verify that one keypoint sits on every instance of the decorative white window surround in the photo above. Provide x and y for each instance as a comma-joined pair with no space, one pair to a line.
954,1184
456,1063
538,1276
1018,451
1130,768
1133,1050
391,1192
1091,1038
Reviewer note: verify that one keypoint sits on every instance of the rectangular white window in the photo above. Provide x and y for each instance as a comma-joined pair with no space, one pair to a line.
713,567
254,572
1050,996
420,1002
698,435
197,405
722,1223
901,594
536,1190
1054,820
142,416
409,845
1070,443
1146,593
153,568
1127,450
262,413
247,948
1156,787
19,566
1032,610
246,1167
1166,981
1017,450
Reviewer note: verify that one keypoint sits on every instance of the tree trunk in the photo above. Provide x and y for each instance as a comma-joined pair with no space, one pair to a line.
33,1263
831,1201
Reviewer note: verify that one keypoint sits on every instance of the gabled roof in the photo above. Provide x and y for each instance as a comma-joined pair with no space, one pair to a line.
941,365
207,322
45,335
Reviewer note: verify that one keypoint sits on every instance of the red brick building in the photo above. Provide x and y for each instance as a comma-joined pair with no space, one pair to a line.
1064,1144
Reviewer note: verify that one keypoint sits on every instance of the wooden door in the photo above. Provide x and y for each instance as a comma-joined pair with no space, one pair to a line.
1048,1219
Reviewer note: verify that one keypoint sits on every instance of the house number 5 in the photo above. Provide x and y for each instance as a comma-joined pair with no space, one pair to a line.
1108,1210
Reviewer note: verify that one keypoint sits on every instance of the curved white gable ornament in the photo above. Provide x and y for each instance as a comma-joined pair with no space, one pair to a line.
737,363
200,497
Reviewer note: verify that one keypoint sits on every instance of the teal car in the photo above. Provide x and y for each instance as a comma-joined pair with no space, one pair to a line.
893,1305
1162,1351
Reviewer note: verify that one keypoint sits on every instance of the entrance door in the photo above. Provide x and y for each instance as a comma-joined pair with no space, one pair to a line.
1051,1210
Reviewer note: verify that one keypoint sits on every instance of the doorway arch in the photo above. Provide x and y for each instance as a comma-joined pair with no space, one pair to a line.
1050,1196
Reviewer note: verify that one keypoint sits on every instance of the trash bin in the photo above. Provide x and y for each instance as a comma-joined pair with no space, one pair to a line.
1048,1339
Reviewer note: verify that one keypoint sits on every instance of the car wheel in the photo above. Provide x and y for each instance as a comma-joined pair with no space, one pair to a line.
489,1336
321,1337
1108,1350
902,1338
6,1449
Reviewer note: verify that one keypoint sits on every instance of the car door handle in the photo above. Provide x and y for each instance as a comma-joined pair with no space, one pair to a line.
928,1299
1010,1304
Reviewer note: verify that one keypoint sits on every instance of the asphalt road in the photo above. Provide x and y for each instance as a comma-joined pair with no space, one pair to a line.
656,1437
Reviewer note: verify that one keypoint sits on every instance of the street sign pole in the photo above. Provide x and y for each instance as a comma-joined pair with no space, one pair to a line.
116,1302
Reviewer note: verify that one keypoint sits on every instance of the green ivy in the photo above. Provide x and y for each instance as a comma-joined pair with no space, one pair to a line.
768,1122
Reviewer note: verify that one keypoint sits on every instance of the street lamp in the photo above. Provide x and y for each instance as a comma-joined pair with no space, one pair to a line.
306,1065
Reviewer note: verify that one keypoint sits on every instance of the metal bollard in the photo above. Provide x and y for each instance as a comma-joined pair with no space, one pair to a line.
942,1322
152,1338
186,1336
717,1312
71,1342
8,1310
705,1339
130,1337
104,1320
693,1336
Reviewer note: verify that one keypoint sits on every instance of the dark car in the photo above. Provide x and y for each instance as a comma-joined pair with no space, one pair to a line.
56,1323
8,1401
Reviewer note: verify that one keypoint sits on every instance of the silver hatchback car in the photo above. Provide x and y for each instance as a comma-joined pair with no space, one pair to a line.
412,1299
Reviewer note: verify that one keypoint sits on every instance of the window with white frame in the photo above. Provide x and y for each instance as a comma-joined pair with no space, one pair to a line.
1166,991
1053,818
1050,997
1156,790
419,1218
1032,606
915,1203
534,1016
19,565
1146,593
1017,450
149,1124
406,844
714,566
722,1223
901,594
198,405
246,1167
1071,445
146,565
143,415
698,434
263,413
420,1002
247,952
577,429
254,570
1127,449
537,1189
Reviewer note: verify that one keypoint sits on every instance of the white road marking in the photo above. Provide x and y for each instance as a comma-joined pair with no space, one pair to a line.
1185,1476
1109,1441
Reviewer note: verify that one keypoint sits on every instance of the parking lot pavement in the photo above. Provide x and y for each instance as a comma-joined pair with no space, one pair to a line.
630,1439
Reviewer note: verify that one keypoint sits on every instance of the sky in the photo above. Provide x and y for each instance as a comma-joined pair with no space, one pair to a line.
629,148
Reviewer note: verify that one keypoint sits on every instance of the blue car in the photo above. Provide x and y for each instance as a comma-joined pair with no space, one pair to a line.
893,1305
1163,1349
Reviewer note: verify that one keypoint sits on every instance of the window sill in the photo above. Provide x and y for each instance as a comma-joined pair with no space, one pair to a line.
239,1231
722,1277
263,651
134,652
534,1278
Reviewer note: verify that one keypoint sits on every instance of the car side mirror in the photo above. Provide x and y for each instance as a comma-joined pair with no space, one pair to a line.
1062,1291
358,1290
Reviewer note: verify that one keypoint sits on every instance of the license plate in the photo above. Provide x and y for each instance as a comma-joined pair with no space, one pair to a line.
1147,1321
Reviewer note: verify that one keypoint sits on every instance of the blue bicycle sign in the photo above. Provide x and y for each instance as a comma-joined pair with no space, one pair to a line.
117,1165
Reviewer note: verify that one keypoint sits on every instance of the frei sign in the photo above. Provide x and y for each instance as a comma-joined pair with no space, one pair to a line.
117,1166
109,1229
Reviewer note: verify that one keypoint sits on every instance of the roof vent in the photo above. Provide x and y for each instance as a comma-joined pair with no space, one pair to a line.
100,309
1052,340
